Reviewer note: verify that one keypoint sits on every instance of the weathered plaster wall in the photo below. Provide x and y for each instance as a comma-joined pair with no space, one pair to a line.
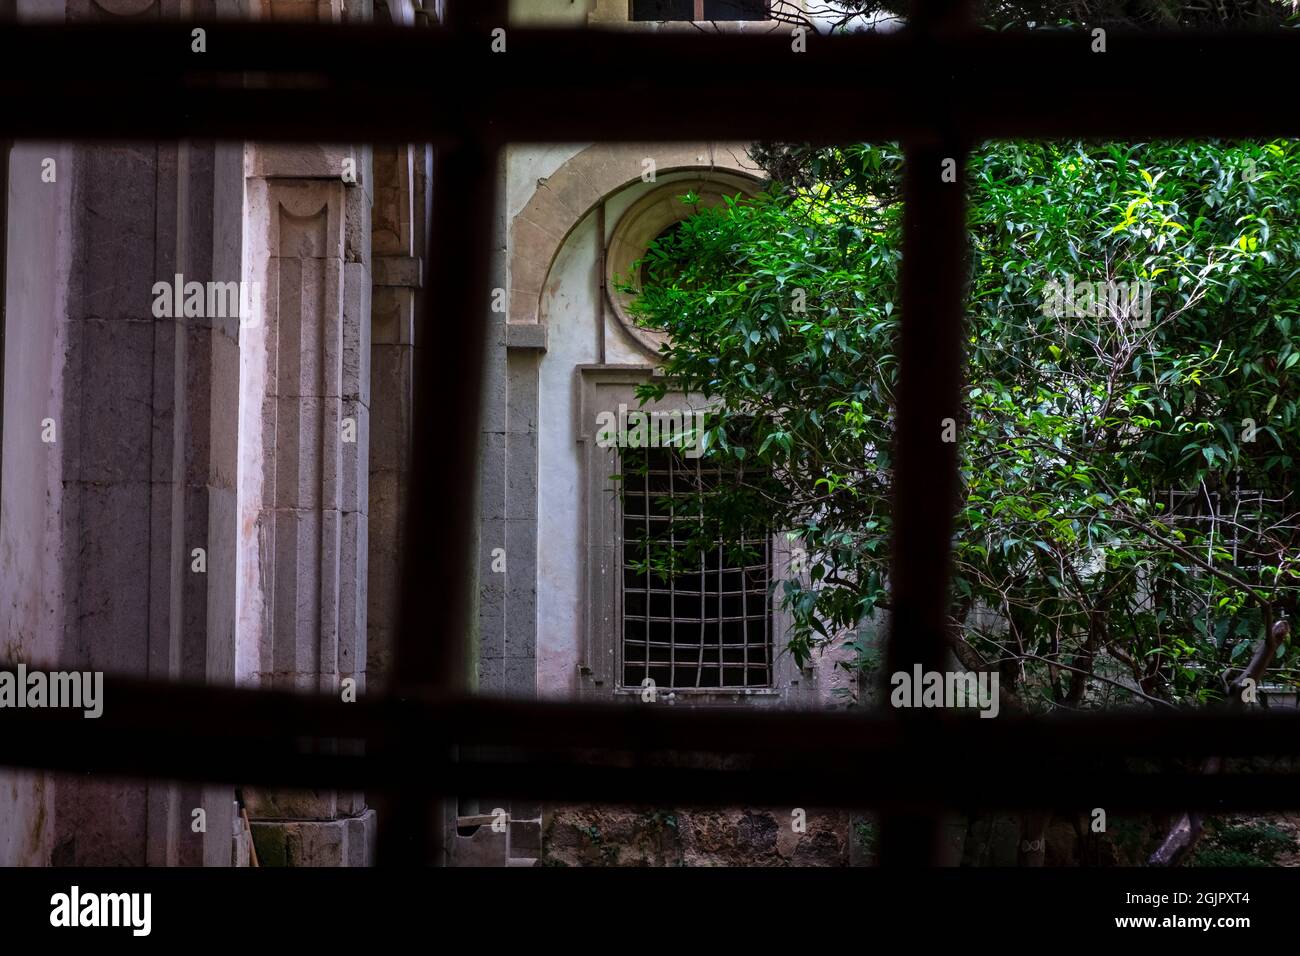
31,546
570,306
528,166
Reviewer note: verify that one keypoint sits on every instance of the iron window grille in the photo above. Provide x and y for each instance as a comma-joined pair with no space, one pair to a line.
937,85
706,623
1234,522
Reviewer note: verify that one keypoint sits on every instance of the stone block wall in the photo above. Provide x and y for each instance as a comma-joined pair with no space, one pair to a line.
648,836
138,467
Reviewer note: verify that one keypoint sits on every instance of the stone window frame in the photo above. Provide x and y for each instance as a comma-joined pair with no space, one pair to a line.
602,388
582,184
645,220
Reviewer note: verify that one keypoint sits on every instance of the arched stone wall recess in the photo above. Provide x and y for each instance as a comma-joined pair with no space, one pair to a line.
562,201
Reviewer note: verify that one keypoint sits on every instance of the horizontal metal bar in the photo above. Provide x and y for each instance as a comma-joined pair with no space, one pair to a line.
348,83
895,781
132,705
556,749
905,777
911,786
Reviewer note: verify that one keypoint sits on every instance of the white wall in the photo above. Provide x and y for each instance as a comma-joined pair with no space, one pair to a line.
525,165
570,308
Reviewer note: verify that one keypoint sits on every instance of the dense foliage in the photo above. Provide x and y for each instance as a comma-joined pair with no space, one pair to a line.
1102,549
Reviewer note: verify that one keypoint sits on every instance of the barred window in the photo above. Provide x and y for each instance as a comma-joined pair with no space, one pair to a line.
707,624
1237,523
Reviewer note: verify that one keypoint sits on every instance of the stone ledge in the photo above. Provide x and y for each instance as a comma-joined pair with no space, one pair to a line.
484,847
349,841
303,161
526,335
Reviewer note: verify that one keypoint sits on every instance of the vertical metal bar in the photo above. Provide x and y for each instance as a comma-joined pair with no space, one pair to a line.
722,591
649,577
672,580
437,566
704,579
430,654
925,476
744,610
765,620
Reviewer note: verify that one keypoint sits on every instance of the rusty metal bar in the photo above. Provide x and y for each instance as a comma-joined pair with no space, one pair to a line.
438,564
790,740
309,82
933,291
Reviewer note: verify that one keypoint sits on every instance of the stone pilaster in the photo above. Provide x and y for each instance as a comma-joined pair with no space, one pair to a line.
305,476
308,467
507,571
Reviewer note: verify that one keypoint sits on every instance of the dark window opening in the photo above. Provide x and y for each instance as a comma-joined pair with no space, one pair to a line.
663,269
663,9
735,9
693,10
